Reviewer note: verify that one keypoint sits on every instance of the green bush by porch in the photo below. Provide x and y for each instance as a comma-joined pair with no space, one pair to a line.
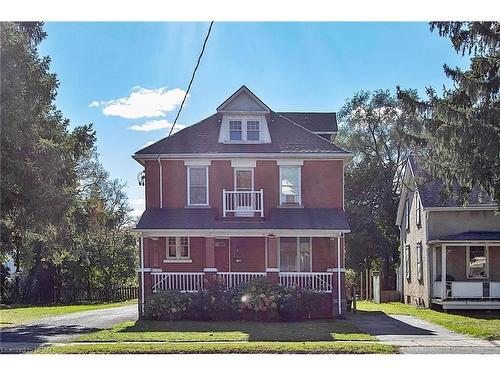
482,324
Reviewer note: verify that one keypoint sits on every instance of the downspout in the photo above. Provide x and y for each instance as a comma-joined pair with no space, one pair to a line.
160,181
142,275
339,293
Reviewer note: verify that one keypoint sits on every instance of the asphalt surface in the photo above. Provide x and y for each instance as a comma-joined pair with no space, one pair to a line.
416,336
62,328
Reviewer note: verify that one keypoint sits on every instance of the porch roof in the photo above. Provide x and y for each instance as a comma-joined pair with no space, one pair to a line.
479,236
279,218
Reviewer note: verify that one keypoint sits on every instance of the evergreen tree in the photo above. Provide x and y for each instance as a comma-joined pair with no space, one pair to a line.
458,133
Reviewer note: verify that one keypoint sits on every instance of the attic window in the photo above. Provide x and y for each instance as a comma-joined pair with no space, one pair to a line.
253,133
235,133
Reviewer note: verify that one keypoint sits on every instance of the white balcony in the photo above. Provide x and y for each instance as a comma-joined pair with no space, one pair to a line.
246,203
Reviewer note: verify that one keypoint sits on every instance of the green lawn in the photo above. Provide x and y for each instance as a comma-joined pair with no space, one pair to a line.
10,316
478,324
194,331
224,347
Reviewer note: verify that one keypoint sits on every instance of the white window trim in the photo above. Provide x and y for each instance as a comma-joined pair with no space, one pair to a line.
177,258
418,210
299,187
224,133
297,259
189,183
244,169
407,251
420,268
467,260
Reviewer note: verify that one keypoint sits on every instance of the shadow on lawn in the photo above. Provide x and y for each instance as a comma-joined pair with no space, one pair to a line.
378,323
319,330
40,333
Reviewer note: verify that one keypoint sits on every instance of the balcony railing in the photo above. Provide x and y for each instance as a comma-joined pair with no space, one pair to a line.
243,203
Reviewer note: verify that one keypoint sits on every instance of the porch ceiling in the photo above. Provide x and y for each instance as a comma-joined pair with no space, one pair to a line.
486,236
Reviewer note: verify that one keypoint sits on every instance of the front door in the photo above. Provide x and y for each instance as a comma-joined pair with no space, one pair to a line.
222,254
243,183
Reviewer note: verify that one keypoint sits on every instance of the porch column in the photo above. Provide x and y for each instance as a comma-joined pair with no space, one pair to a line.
339,302
210,270
272,269
443,272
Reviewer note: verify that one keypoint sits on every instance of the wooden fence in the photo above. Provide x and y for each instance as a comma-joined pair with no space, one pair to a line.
114,294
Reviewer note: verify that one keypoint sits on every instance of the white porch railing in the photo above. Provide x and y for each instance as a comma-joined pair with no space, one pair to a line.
231,280
243,203
182,281
466,289
317,281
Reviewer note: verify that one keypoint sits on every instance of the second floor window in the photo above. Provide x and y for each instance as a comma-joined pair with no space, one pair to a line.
290,185
420,267
197,186
235,131
253,133
407,262
407,214
418,210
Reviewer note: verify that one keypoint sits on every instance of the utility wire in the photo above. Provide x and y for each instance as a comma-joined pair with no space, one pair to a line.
192,78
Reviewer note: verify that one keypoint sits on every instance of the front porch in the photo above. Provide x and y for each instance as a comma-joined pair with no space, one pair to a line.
472,270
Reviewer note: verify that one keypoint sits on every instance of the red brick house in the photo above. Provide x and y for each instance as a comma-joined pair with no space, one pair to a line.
246,193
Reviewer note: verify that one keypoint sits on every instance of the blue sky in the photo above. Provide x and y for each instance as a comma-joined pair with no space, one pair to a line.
121,76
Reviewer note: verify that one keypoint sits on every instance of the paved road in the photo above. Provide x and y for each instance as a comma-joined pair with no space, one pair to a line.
62,328
417,336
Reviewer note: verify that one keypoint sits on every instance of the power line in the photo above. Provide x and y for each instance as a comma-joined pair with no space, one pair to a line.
192,78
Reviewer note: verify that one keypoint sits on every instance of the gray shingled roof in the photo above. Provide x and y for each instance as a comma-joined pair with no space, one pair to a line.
203,137
279,218
473,236
314,121
431,190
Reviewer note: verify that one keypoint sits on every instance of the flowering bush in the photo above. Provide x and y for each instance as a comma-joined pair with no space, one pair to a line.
257,300
167,305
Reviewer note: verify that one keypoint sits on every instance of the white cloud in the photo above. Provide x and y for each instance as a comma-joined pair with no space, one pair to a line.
142,102
138,206
147,144
156,125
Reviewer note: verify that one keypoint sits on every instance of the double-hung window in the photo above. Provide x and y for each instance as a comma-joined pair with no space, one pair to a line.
420,269
407,214
290,185
407,262
418,210
477,262
235,130
178,248
295,254
198,186
253,131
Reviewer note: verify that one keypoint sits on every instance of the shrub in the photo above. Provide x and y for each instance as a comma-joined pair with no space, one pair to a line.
167,305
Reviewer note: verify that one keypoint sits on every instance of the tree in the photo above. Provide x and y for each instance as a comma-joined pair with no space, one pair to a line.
372,128
458,133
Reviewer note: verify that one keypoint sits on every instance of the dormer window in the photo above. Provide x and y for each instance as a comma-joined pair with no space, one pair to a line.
253,132
235,131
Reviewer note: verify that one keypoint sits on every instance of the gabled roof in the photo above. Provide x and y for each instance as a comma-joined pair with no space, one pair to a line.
202,138
242,92
318,122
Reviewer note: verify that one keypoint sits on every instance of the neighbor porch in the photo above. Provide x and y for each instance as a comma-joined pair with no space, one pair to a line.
472,269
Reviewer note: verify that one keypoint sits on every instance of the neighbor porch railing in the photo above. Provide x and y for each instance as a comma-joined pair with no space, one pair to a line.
318,281
182,281
467,289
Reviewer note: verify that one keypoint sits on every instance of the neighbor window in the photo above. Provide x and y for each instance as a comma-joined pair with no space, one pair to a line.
197,186
477,262
253,133
290,185
407,262
178,248
235,132
418,209
420,270
407,213
295,254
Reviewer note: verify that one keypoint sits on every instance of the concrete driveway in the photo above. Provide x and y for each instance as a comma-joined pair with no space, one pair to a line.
62,328
416,336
